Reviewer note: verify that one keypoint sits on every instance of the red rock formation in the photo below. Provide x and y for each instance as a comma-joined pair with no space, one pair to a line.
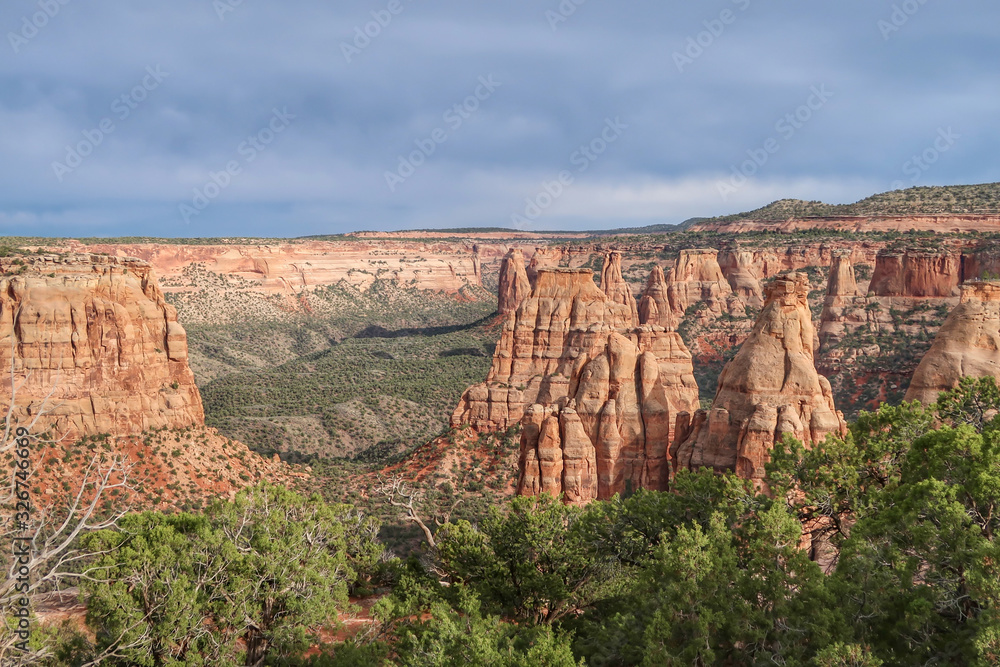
696,278
655,308
844,309
514,285
920,273
293,266
614,285
771,388
738,268
596,394
544,257
97,333
968,344
842,281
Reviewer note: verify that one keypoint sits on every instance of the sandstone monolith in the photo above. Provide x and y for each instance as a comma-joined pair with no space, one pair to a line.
769,389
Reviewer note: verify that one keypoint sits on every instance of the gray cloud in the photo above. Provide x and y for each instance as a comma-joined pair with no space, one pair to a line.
354,120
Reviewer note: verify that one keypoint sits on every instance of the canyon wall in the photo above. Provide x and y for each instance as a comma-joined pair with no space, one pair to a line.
923,273
94,346
298,265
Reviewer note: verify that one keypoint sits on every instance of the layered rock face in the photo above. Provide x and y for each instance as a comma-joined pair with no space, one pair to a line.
738,268
596,393
296,266
95,347
697,278
514,285
544,257
770,388
917,273
968,344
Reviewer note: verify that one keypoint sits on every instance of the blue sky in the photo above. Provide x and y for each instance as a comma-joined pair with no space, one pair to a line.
221,117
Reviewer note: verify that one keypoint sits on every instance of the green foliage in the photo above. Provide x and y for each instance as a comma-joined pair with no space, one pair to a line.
899,516
975,402
528,561
459,635
256,576
369,382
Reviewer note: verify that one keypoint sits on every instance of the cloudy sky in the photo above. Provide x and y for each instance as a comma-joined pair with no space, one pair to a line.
266,118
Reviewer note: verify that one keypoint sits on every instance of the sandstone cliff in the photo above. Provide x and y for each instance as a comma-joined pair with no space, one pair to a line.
294,266
920,273
738,266
769,389
513,282
697,278
968,344
97,353
596,393
95,347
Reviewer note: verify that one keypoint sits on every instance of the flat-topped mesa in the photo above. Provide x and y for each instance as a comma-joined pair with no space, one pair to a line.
614,285
968,344
769,389
697,278
738,267
514,286
919,273
596,395
96,348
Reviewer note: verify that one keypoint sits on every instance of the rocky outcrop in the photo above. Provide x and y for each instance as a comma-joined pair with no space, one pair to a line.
654,307
544,257
613,284
738,267
596,393
95,347
968,344
842,281
514,285
769,389
696,278
919,273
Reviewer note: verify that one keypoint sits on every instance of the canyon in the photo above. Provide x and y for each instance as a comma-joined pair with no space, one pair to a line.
620,359
293,266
